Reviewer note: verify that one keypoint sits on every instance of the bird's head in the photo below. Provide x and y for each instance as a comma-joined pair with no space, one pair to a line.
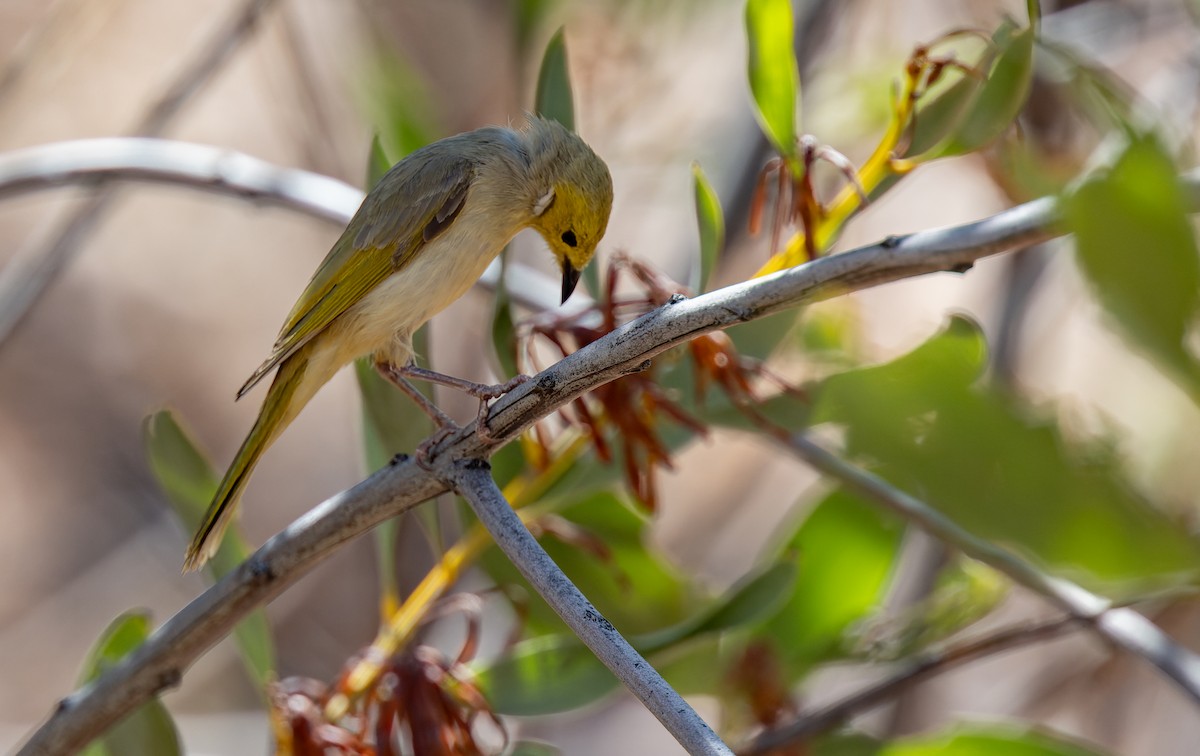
571,212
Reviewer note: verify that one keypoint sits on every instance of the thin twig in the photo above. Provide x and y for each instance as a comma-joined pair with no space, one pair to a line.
28,274
1121,626
160,662
917,670
473,481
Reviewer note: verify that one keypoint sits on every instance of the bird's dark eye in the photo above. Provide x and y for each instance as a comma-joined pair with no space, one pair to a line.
569,239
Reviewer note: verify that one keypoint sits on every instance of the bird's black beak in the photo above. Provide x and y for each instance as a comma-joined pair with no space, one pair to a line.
570,278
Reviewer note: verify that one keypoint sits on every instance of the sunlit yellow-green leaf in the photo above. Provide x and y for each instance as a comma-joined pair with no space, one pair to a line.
774,77
712,228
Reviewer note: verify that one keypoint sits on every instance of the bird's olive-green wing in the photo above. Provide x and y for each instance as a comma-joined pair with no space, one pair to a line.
413,203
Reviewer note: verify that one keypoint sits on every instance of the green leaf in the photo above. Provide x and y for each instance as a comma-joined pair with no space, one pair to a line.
189,482
529,15
998,470
999,100
394,424
534,748
712,229
1135,243
554,99
994,740
401,110
845,551
149,729
545,675
774,77
632,586
752,600
377,162
504,326
963,740
966,592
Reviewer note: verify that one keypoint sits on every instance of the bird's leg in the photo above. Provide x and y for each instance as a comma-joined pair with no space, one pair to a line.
445,426
481,391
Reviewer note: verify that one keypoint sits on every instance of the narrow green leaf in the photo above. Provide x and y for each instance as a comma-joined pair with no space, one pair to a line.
528,16
632,585
394,424
150,728
845,551
752,600
999,100
504,326
712,229
189,482
544,675
534,748
774,76
989,740
554,99
377,162
1135,243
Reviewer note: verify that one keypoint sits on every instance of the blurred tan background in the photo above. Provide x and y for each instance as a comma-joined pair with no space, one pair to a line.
175,296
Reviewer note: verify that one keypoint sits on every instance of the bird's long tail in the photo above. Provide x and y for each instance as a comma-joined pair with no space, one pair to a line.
284,400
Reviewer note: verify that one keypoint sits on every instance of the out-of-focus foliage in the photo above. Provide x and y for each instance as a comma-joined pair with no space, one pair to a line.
190,482
1135,243
149,729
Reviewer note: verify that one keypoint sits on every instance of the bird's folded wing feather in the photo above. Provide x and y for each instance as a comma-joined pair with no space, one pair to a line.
416,201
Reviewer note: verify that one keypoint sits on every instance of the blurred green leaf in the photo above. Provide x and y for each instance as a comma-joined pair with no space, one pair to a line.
401,110
534,748
529,16
983,740
504,326
544,675
845,551
554,98
752,600
632,586
774,77
712,229
377,162
975,110
189,482
394,424
1135,244
965,592
997,103
962,740
149,729
984,461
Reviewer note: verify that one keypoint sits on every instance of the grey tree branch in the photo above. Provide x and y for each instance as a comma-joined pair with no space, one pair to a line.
25,277
93,161
160,662
1121,626
917,670
217,170
473,481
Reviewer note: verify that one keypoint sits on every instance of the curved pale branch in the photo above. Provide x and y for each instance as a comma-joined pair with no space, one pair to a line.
210,169
25,277
160,662
90,161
